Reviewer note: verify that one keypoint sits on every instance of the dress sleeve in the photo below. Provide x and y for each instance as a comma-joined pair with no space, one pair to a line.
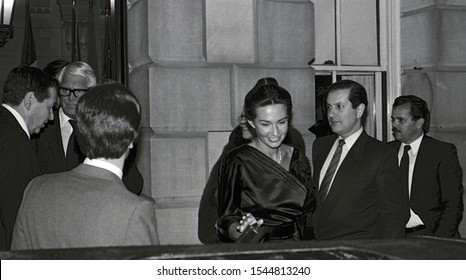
302,169
230,186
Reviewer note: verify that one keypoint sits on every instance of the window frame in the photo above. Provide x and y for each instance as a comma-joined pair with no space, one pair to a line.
387,75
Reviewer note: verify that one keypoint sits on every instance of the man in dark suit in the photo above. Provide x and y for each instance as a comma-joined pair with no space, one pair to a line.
89,206
29,95
56,146
433,174
359,192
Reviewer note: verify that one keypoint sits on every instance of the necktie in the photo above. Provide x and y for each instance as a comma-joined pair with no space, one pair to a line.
404,167
73,153
325,186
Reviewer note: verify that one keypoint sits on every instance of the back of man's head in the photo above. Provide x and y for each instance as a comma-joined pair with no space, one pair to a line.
24,79
108,118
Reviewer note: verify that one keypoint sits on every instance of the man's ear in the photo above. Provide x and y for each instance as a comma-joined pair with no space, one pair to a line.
29,99
360,110
251,124
420,123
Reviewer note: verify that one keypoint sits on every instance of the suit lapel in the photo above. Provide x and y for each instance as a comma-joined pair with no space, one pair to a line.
55,145
423,156
321,155
347,169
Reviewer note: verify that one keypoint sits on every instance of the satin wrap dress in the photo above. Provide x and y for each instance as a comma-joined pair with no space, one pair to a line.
251,182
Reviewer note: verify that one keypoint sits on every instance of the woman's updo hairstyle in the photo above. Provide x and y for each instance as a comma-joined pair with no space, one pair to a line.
266,92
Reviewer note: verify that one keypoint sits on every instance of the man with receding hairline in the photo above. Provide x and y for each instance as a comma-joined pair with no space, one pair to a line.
359,193
89,206
29,95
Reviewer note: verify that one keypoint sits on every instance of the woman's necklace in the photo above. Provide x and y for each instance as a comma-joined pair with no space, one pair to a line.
279,152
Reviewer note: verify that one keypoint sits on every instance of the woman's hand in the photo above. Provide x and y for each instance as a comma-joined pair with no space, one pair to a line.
236,229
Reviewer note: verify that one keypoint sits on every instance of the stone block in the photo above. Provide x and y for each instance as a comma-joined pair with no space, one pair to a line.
177,226
178,167
176,30
450,100
453,38
230,31
189,99
419,40
286,31
298,82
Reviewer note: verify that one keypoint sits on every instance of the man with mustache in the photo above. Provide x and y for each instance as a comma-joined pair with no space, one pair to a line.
29,95
359,193
432,171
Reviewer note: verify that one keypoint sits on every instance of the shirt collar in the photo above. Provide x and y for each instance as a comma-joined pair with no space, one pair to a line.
414,145
350,140
63,118
105,165
18,118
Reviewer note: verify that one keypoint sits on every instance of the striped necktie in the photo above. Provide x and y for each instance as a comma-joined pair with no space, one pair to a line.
325,186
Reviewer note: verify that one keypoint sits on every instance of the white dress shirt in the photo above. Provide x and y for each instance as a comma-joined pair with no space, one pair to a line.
105,165
349,142
414,220
65,128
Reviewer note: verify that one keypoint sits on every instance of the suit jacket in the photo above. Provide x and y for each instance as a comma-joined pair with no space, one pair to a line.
437,189
366,199
18,165
85,207
49,148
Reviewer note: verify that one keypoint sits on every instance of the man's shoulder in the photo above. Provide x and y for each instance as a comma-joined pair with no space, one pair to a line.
325,139
374,144
12,137
428,140
76,184
49,131
8,123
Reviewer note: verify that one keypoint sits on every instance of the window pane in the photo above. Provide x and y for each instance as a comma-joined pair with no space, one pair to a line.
324,14
368,82
359,44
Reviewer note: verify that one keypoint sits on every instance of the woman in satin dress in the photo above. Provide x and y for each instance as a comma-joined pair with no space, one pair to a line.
265,180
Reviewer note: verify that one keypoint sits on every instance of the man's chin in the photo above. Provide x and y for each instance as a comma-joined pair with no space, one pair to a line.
38,130
397,136
70,112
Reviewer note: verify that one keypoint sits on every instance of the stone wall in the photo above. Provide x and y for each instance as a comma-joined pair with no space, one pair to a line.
191,64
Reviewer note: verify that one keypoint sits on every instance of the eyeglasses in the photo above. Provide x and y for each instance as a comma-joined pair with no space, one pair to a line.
78,92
